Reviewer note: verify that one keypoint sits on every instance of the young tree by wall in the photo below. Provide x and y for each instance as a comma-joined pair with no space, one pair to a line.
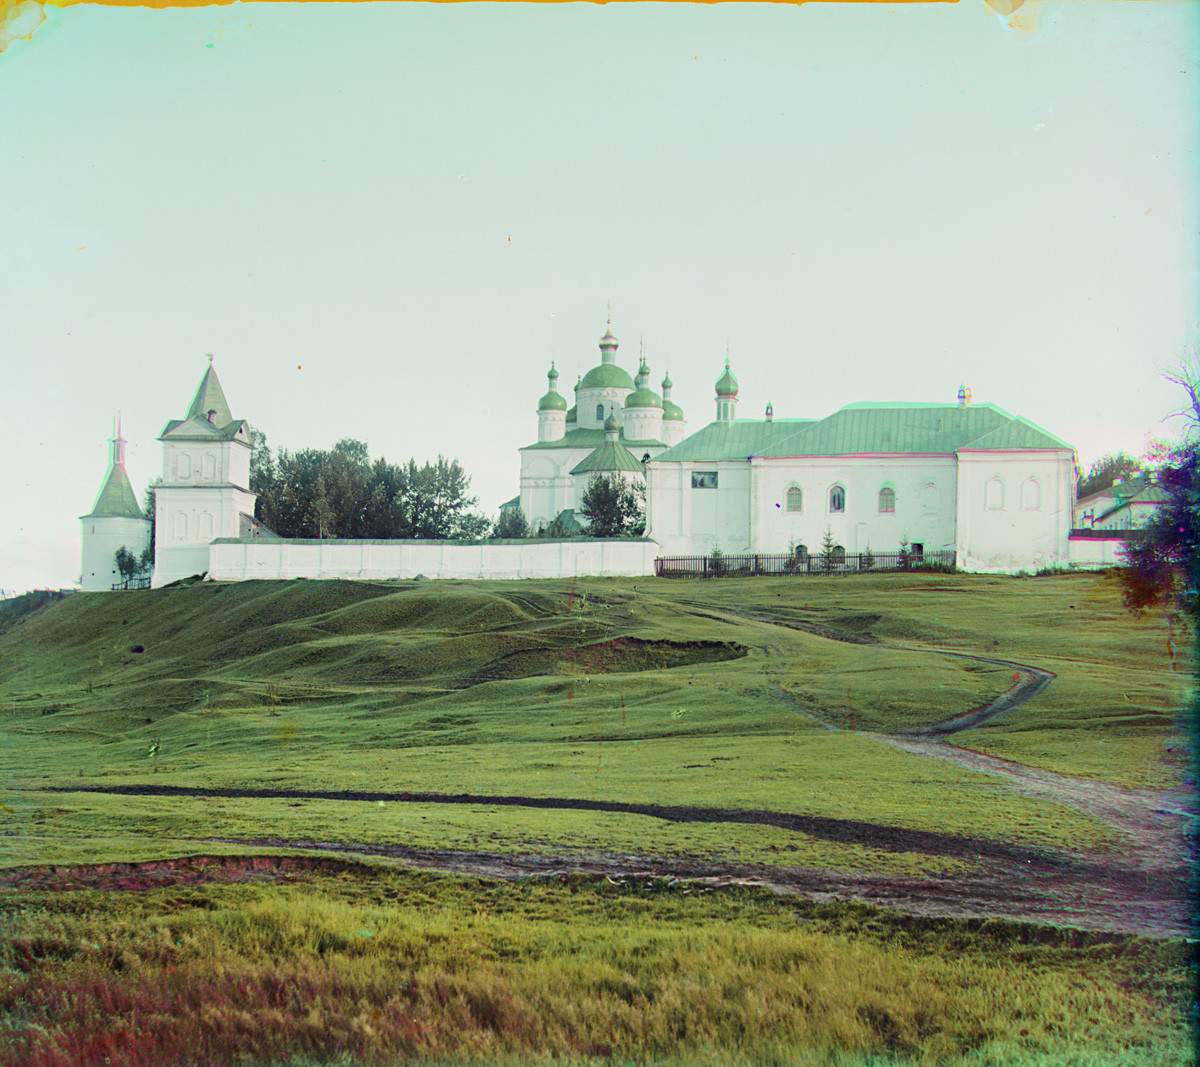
614,507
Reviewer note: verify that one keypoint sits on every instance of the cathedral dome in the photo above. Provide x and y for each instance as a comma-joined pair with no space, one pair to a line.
612,423
672,411
643,398
607,376
552,402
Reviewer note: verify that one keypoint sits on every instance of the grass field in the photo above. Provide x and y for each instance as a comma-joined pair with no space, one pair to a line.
651,692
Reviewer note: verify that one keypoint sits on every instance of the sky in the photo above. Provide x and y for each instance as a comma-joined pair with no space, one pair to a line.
384,220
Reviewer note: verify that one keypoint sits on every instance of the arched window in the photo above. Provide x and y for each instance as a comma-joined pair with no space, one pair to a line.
183,465
1031,494
993,494
887,500
599,412
210,466
795,499
838,555
837,498
180,526
930,498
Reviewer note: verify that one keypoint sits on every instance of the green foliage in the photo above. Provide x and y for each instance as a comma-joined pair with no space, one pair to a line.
1162,564
716,562
614,507
830,551
342,494
1105,471
511,524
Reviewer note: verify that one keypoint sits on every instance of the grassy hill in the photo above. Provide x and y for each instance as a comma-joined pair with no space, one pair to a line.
722,722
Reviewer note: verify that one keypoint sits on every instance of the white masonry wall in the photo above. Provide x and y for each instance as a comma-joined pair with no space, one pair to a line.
100,537
238,559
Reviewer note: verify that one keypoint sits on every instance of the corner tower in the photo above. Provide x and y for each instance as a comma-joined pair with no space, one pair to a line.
205,488
115,522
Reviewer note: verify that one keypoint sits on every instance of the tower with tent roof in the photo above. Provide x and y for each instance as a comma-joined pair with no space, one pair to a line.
115,522
204,492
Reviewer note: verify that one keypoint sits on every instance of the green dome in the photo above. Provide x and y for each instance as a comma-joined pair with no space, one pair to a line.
552,402
612,423
573,415
667,383
672,412
727,384
607,376
643,398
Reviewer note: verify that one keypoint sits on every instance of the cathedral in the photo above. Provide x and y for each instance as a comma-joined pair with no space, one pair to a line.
615,426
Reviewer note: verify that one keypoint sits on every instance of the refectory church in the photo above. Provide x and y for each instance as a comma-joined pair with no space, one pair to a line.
962,478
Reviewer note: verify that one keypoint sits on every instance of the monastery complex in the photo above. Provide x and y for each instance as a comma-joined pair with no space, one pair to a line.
963,478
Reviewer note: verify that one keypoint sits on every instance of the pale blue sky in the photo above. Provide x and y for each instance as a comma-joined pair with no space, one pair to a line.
421,205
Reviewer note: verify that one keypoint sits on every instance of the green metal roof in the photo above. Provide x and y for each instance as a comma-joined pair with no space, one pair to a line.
198,428
607,376
912,428
210,397
643,398
552,402
116,497
734,439
589,439
610,456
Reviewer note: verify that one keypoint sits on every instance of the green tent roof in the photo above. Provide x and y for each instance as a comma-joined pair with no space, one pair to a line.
607,376
610,456
116,497
210,397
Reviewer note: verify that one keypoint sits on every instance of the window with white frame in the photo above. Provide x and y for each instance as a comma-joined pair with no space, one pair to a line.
795,499
887,500
837,498
993,494
1031,494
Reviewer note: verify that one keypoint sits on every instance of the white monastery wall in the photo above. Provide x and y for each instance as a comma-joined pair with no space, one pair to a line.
238,559
690,521
187,520
1093,553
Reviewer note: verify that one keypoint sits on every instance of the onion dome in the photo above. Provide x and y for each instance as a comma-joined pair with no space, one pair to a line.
671,412
727,384
573,415
552,401
667,383
643,398
612,423
608,344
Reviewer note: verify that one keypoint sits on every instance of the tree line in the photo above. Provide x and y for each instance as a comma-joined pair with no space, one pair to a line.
343,493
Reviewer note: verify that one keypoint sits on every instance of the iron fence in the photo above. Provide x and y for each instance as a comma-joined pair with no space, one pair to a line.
718,565
132,583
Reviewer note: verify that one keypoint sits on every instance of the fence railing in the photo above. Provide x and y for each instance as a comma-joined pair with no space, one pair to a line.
132,583
816,564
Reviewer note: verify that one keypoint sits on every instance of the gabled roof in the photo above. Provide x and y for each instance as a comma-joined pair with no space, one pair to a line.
733,439
589,439
200,429
1149,493
116,497
610,456
913,428
197,426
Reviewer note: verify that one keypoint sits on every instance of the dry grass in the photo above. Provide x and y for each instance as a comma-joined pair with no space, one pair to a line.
377,966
